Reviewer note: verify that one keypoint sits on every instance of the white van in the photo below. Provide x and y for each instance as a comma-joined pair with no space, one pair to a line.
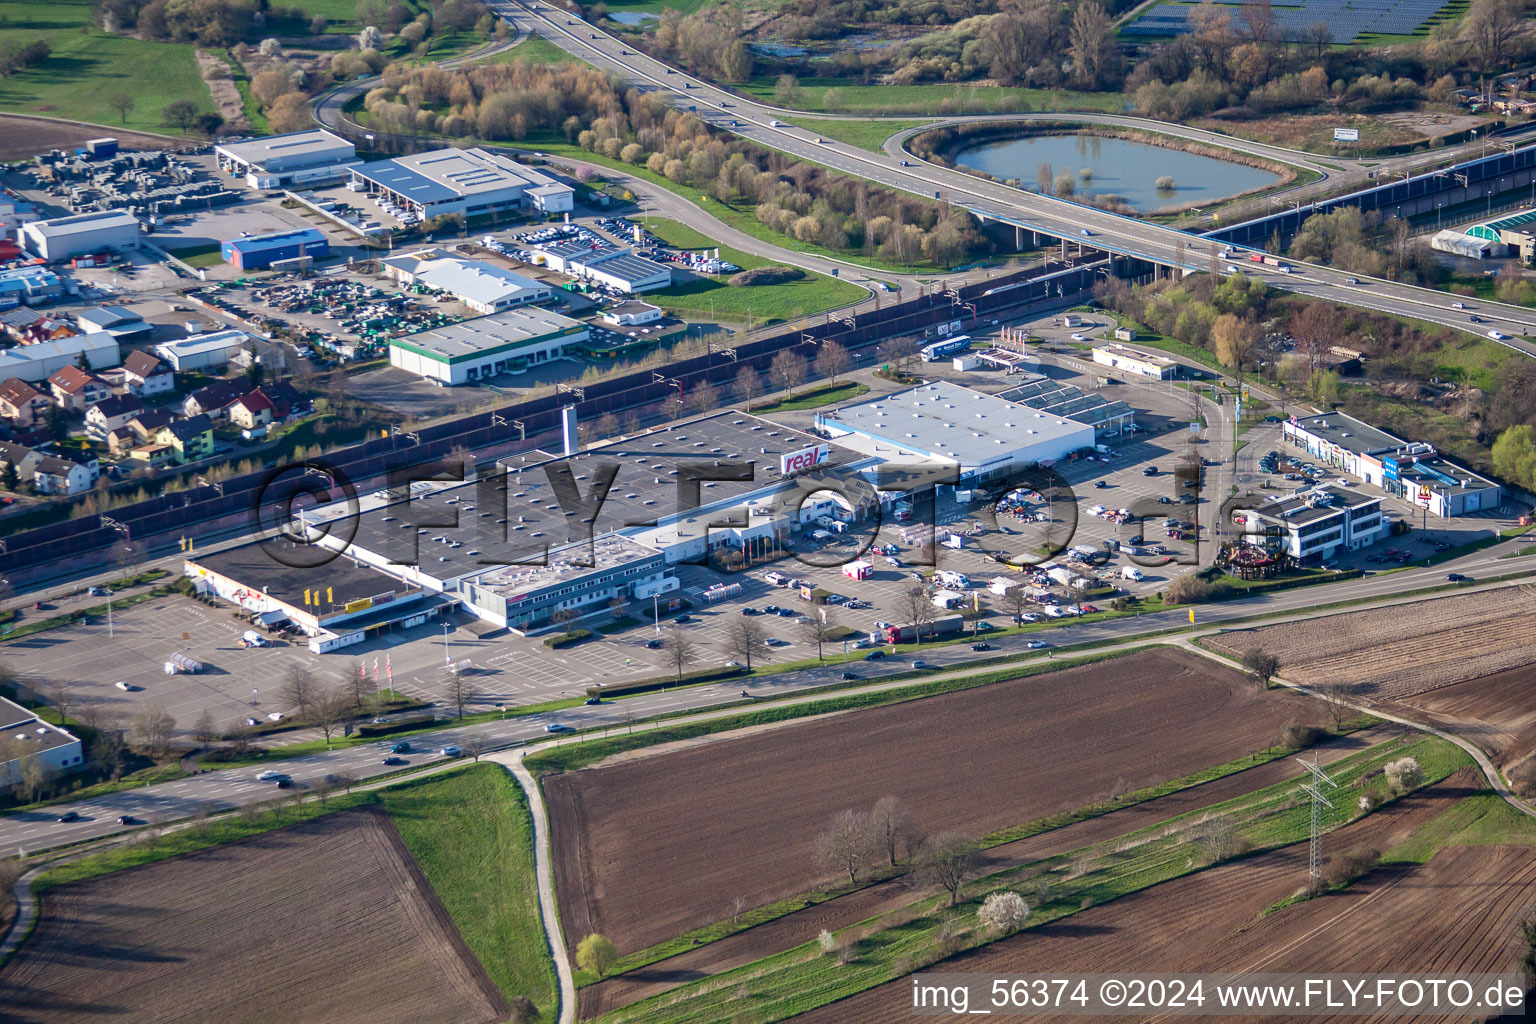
251,638
1130,572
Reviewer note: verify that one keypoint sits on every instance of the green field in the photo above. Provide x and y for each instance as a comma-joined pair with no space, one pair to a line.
535,50
870,135
472,835
88,67
762,303
931,99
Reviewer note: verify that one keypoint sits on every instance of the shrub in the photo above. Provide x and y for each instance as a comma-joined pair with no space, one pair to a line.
575,636
1403,775
1165,183
1296,736
1522,778
828,941
765,275
1343,868
1367,803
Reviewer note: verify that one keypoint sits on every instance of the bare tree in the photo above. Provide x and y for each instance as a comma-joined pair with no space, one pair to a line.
1017,602
152,730
34,779
745,638
1218,834
476,744
787,370
108,744
1262,664
333,710
947,860
833,361
205,731
897,353
60,700
749,385
973,613
893,827
1335,698
918,608
1491,27
847,845
124,555
459,692
357,686
738,905
298,689
121,102
704,397
342,780
819,628
679,652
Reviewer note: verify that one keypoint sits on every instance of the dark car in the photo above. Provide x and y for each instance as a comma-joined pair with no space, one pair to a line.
874,655
393,761
1456,577
400,748
652,645
70,816
1149,471
284,783
591,701
683,618
127,819
786,612
981,647
1100,483
749,611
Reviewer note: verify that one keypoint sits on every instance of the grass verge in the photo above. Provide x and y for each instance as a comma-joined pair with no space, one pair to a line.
815,398
870,135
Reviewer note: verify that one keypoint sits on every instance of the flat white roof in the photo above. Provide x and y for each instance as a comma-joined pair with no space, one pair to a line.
476,280
485,333
209,342
316,142
445,174
1126,352
81,223
955,422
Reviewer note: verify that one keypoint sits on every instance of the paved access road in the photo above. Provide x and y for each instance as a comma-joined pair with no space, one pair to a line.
1060,218
39,829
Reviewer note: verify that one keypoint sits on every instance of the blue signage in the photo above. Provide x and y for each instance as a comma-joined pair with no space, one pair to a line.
1389,467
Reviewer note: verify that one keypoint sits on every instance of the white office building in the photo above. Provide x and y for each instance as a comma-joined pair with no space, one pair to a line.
473,182
28,736
1313,526
1135,360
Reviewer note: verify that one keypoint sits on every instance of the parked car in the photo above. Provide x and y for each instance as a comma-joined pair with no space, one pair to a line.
652,645
1149,471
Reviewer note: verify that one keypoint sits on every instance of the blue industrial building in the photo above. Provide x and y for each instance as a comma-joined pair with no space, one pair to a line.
260,251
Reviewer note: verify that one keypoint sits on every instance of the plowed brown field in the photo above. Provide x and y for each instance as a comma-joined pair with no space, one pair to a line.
1395,652
1496,712
1456,913
654,846
328,921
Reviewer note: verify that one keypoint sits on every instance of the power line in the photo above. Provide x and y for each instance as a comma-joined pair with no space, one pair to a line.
1314,789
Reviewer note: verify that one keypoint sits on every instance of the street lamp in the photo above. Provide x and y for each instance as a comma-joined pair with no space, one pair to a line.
1438,207
446,660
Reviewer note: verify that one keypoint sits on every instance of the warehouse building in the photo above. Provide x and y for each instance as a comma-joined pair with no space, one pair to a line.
31,286
299,158
1109,419
483,287
618,270
38,362
988,437
1137,361
120,322
1313,526
64,238
202,351
1412,470
261,251
479,349
473,182
28,738
1462,244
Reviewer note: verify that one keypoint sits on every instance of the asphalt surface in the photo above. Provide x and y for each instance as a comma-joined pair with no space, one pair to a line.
1059,218
39,829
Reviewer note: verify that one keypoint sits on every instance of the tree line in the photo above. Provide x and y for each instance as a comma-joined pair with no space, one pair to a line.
803,202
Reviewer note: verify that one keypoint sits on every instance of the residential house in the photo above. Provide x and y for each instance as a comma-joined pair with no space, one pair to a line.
76,390
111,414
251,412
30,327
54,475
21,403
191,438
286,401
23,458
138,430
153,455
211,400
146,375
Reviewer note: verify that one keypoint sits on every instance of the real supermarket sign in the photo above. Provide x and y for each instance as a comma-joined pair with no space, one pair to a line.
791,463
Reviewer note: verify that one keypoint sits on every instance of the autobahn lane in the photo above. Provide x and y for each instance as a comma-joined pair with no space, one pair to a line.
38,829
992,200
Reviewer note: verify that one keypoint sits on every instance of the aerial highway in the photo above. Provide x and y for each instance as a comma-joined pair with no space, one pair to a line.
1074,223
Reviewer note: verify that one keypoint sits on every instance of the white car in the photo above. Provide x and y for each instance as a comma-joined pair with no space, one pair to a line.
1497,335
776,124
451,751
270,775
1036,645
1079,337
275,716
125,687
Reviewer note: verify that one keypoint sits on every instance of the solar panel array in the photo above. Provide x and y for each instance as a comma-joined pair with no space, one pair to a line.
1347,19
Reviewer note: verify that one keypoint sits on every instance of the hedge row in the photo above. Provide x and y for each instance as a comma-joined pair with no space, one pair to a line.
575,636
647,685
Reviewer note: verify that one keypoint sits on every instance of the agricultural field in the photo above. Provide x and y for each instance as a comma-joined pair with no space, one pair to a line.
1494,711
652,846
884,897
1215,920
24,137
1393,653
217,935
